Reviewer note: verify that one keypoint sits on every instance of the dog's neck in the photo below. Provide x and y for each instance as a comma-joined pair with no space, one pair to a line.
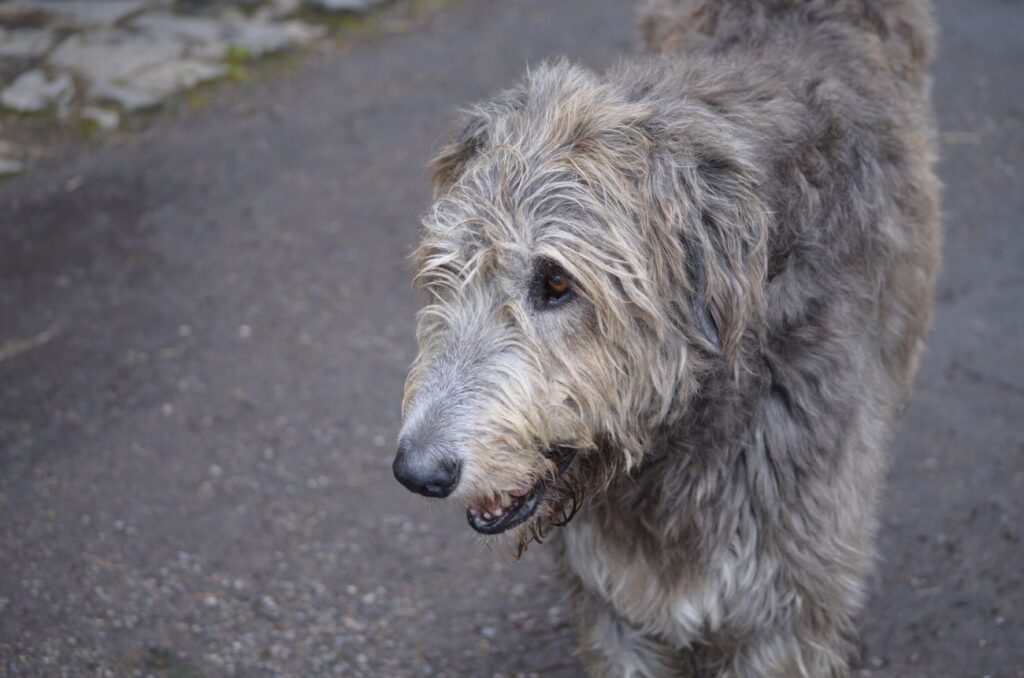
678,484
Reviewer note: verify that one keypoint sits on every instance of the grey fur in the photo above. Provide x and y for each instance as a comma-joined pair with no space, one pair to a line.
750,216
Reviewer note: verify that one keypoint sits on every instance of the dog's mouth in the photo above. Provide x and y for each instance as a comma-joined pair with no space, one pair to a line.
512,509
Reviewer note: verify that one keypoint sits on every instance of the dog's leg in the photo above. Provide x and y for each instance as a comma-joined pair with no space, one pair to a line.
801,652
614,648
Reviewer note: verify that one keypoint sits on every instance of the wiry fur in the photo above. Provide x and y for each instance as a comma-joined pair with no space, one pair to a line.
750,218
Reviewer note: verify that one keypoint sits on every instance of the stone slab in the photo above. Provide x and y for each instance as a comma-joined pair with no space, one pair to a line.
204,37
193,29
104,118
79,13
129,98
10,162
342,5
170,76
10,166
150,86
261,37
113,54
278,9
33,91
26,43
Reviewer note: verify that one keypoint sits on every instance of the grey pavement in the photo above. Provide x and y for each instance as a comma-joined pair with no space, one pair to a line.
205,327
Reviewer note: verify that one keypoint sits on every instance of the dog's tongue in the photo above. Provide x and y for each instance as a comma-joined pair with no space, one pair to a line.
523,490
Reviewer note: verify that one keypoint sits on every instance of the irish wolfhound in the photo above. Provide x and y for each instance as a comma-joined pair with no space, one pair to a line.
676,308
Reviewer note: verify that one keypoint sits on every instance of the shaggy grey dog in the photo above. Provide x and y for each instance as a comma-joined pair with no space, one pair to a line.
676,309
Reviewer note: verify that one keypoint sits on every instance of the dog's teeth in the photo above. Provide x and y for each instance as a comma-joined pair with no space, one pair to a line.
498,512
487,516
506,500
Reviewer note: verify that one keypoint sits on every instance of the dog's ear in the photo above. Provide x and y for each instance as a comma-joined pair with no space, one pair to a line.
473,136
708,193
469,139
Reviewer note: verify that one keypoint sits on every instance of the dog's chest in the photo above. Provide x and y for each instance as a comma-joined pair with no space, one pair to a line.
678,604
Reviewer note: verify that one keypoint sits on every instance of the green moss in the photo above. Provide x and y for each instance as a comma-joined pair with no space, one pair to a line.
239,54
348,21
198,98
237,73
90,128
338,23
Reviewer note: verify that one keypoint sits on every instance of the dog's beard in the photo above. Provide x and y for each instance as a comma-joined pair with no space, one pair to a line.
591,473
527,513
572,476
562,500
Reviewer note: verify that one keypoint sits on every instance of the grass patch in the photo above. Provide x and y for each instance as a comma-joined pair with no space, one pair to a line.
238,54
90,128
198,98
338,23
237,72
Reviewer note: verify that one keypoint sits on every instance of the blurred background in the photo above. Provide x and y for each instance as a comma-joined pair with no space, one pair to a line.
206,320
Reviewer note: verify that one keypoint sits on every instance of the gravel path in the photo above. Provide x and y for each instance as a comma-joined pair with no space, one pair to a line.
204,331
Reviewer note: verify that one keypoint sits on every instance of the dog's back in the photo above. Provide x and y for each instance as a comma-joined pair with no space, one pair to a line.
855,73
898,33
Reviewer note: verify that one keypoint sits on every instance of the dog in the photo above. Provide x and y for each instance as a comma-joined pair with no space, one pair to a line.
672,314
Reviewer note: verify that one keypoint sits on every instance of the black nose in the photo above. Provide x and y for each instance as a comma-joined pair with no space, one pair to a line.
425,472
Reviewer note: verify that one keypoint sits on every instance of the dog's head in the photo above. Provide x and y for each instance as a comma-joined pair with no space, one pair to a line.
591,251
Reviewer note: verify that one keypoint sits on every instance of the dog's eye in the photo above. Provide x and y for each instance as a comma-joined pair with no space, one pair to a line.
555,287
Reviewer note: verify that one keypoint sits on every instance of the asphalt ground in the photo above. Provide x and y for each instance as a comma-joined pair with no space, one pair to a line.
205,327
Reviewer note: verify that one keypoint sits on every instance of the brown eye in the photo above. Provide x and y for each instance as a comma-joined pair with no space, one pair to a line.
557,285
553,287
